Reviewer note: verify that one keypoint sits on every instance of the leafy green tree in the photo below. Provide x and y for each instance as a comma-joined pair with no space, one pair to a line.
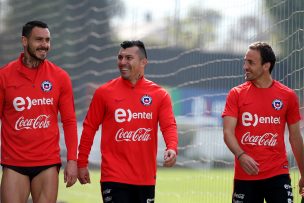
289,23
195,30
80,35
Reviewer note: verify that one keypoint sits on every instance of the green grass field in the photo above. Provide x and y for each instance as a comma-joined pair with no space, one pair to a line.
173,186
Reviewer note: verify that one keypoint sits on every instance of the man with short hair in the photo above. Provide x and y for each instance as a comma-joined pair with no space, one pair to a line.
32,92
254,120
129,108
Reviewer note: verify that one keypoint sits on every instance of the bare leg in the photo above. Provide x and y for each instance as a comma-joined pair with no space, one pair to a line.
44,187
15,187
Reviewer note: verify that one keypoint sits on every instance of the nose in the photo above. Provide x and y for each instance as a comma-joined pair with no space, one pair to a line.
46,43
245,65
122,61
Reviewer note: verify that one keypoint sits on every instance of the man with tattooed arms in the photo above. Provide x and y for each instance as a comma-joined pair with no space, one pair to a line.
32,92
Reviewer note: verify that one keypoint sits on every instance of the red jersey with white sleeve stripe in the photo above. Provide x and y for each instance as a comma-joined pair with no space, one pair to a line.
262,114
30,99
129,115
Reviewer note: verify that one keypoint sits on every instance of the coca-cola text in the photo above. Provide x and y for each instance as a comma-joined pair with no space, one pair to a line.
139,135
268,139
42,121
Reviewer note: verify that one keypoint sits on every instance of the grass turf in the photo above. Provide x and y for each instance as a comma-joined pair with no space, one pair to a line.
173,186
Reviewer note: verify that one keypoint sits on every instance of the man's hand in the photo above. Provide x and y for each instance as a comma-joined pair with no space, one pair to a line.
70,173
84,175
301,186
169,158
249,165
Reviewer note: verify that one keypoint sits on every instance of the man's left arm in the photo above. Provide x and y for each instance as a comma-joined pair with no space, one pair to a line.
69,123
169,130
296,142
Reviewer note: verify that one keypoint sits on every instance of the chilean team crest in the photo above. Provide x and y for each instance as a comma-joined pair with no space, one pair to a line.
277,104
146,100
46,86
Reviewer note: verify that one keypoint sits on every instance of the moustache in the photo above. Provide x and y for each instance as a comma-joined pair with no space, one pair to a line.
42,49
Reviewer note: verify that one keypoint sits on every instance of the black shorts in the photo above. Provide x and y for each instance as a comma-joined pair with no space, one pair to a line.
126,193
31,172
276,189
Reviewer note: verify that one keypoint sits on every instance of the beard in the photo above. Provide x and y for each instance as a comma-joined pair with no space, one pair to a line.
247,78
31,52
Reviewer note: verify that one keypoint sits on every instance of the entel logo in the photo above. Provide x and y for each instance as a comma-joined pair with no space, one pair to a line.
20,103
248,119
122,115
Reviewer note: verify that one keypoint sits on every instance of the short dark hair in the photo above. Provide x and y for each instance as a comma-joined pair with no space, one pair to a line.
266,52
137,43
28,27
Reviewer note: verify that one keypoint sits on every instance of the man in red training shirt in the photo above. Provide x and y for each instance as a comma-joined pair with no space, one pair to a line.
32,91
129,108
254,117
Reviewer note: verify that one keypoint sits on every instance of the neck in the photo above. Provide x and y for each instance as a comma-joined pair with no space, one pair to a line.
30,62
134,81
263,83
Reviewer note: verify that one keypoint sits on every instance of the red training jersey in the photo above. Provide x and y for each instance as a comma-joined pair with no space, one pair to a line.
30,100
129,116
261,117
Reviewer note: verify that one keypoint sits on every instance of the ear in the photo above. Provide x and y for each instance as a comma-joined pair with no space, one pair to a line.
24,41
144,62
266,66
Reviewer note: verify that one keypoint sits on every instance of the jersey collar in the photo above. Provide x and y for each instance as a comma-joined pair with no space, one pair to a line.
129,84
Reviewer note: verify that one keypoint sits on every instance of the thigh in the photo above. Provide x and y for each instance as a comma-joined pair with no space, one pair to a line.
44,186
145,194
116,192
278,189
15,187
247,192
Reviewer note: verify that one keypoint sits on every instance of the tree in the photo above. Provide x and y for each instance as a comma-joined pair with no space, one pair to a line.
289,22
290,17
248,28
80,37
196,30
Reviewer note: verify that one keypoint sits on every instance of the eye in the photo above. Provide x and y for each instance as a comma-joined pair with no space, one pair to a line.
250,62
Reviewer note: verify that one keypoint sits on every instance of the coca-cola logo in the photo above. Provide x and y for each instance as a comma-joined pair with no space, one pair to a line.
268,139
42,121
21,103
122,115
139,135
249,119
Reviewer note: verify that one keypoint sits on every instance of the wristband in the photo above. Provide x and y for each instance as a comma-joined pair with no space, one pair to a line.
241,154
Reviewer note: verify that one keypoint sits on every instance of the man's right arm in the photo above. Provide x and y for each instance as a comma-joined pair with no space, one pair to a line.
91,124
249,165
229,124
